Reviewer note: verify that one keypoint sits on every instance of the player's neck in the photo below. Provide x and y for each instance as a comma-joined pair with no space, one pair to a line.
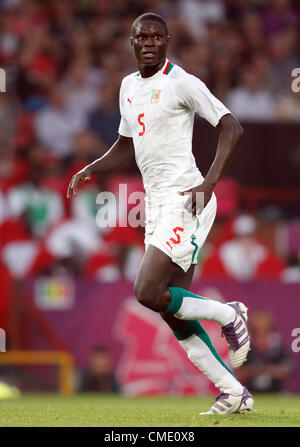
148,71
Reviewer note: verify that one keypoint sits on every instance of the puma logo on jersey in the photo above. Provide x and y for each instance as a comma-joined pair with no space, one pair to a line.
155,96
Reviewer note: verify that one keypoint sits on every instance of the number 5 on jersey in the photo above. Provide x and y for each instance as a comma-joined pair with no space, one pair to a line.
141,115
178,238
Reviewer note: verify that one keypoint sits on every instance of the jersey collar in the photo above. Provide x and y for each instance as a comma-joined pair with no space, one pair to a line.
167,67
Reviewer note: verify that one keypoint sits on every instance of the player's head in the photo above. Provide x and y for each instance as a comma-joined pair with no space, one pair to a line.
149,38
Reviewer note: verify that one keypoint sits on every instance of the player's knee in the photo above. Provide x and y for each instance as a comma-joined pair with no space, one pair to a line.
143,294
147,295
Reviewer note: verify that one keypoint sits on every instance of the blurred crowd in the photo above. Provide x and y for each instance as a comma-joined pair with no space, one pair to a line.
64,61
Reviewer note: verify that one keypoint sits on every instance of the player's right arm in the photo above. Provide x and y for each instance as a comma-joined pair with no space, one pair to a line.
120,153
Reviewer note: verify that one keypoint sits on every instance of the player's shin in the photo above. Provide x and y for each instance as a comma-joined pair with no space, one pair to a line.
189,306
195,341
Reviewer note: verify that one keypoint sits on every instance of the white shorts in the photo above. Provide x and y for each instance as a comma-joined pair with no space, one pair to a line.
176,232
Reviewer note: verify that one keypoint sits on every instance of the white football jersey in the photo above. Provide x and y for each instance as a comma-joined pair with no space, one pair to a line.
158,113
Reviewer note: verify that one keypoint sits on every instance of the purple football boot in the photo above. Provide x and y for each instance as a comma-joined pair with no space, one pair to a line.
228,403
237,336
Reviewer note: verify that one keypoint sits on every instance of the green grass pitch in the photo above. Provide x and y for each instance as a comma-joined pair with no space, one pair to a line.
92,410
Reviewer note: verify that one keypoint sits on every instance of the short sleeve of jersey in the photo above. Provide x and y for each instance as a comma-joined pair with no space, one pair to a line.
124,128
192,93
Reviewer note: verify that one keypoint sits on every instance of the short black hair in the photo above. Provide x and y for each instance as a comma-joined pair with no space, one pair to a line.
149,16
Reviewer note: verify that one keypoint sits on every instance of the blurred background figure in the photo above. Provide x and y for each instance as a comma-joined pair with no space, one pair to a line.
80,86
56,124
268,364
98,377
34,202
105,118
244,257
251,101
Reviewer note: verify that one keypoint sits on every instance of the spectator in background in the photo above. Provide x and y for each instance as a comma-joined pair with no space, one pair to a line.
56,125
8,121
80,87
32,209
181,35
9,40
105,119
98,377
86,148
278,15
250,101
243,254
261,63
38,58
244,257
194,59
63,22
283,48
71,243
253,32
37,205
198,12
268,364
222,76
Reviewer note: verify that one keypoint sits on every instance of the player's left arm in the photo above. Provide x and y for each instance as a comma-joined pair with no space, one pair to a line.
230,134
197,97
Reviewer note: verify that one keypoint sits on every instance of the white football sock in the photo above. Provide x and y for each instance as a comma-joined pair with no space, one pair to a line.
204,357
205,309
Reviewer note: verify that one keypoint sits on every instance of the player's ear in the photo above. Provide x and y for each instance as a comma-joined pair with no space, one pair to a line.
131,40
168,39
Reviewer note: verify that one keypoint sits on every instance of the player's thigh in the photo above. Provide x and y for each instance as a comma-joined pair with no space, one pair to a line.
182,279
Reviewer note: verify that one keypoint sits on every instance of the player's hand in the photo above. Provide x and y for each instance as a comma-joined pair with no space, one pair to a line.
81,177
197,198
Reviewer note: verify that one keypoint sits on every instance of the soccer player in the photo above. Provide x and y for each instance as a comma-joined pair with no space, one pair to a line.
157,106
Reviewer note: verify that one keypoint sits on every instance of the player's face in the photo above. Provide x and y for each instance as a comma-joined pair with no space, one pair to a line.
149,42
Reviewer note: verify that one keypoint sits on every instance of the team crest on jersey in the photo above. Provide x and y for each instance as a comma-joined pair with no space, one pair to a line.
155,96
